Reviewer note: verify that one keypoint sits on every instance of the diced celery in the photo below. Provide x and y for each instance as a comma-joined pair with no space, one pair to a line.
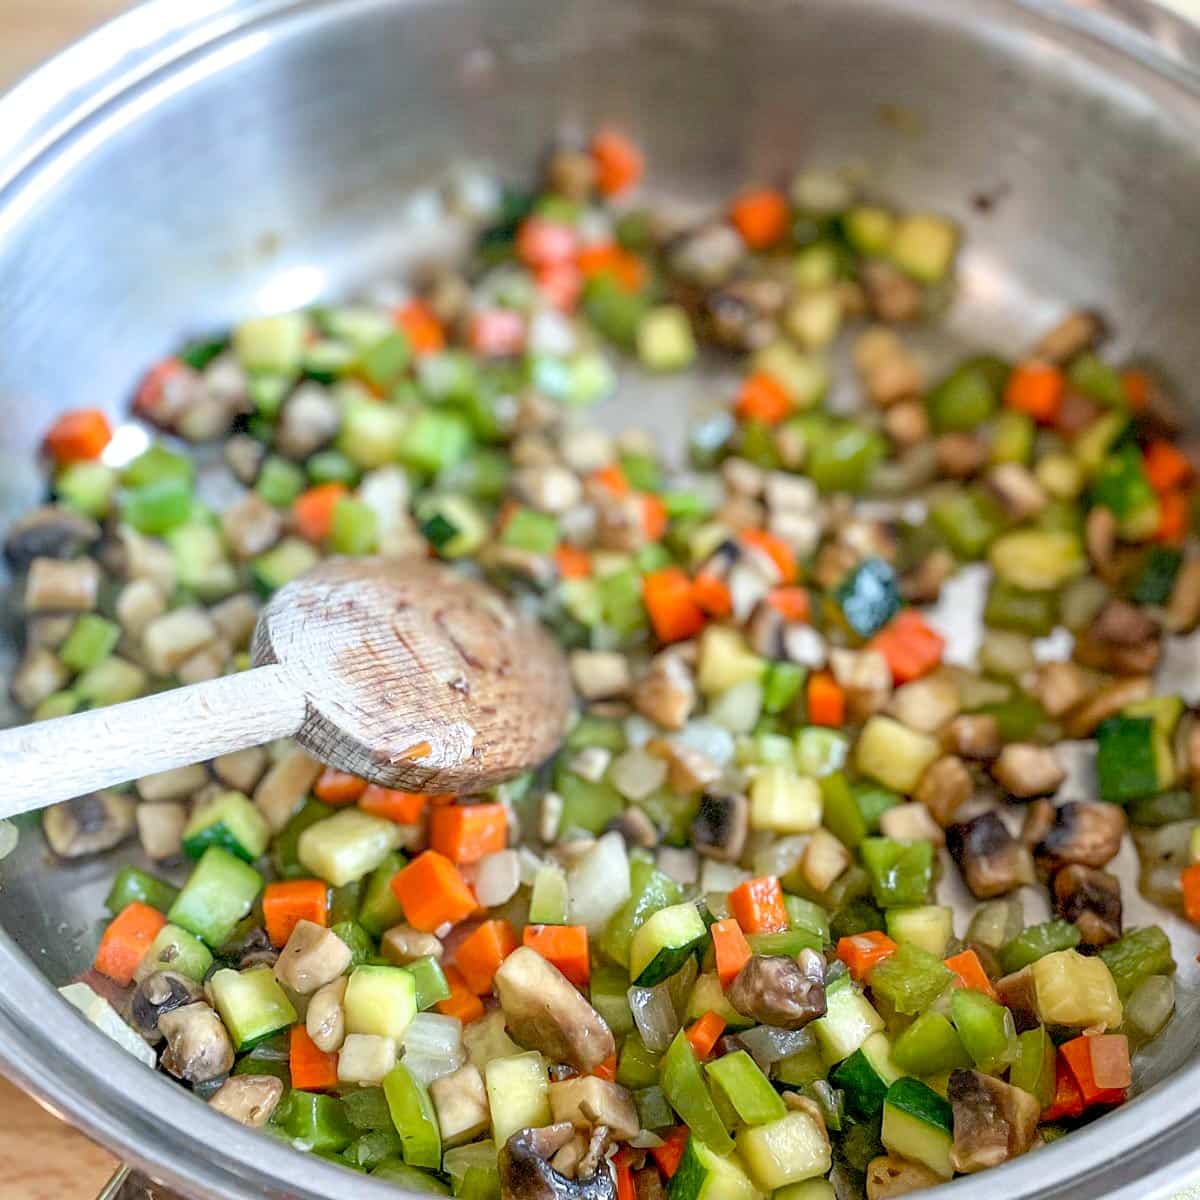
372,434
91,640
413,1116
746,1088
1136,956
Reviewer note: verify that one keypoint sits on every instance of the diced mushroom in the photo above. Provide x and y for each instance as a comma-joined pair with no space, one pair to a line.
1060,686
549,489
160,829
460,1100
944,788
1018,993
648,1185
1085,832
961,455
175,636
38,675
285,785
1075,333
243,456
781,991
720,826
1122,640
742,315
993,1121
824,859
1091,900
198,1046
992,861
526,1173
707,256
636,829
1039,817
923,583
866,679
907,423
1100,542
173,784
133,556
313,957
1016,488
926,704
88,824
891,295
235,618
600,674
60,585
365,1058
251,526
138,603
402,944
51,531
248,1099
1106,702
544,1011
912,822
48,631
1183,605
890,1175
308,420
1025,770
765,632
688,770
666,693
586,1101
159,993
325,1020
242,769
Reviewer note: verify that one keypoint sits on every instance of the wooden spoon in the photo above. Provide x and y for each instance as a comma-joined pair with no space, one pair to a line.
397,670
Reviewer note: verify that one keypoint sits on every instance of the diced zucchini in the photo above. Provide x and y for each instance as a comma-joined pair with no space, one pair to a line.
281,564
252,1005
869,228
930,926
893,754
230,821
271,343
664,943
789,1150
848,1021
518,1090
918,1124
1130,759
548,897
380,1000
866,1076
380,909
708,996
174,949
1037,560
219,892
1076,991
703,1174
347,846
782,802
132,884
451,523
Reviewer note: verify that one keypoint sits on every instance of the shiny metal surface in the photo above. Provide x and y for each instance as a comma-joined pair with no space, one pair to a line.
189,163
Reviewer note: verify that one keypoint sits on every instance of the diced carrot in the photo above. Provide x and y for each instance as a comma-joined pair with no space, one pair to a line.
612,479
623,1166
757,905
704,1033
674,613
288,902
312,510
618,162
1077,1054
405,808
712,593
1137,389
1189,880
669,1154
863,952
541,241
776,549
1166,466
126,941
762,398
149,395
464,833
911,647
566,946
826,700
497,333
1068,1099
422,328
311,1069
561,283
607,258
338,787
432,892
480,954
791,603
760,215
462,1002
607,1070
78,436
572,562
970,973
654,516
1111,1065
1172,518
730,948
1035,388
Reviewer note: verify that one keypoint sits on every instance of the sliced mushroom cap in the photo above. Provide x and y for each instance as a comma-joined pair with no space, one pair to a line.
313,957
975,736
526,1173
1091,900
544,1011
890,1175
1026,770
1123,640
157,994
1018,993
48,532
993,1121
198,1045
636,829
1087,832
945,787
325,1020
780,991
586,1101
248,1099
403,944
720,826
991,860
88,824
666,693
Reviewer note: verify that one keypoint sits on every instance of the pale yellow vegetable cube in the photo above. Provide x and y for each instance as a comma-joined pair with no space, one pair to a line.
1076,991
893,754
782,802
518,1091
788,1150
725,660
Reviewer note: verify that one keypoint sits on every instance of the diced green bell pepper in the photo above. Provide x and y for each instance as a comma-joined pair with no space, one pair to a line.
910,978
967,397
131,884
901,873
283,849
414,1118
986,1029
317,1120
841,814
929,1046
684,1086
1137,955
969,519
1097,380
367,1108
637,1066
1157,576
1036,942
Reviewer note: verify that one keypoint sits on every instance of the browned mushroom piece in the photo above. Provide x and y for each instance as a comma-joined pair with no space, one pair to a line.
647,1184
720,826
1087,832
666,694
636,829
741,316
248,1099
1123,639
1026,770
890,1175
1105,702
780,991
157,994
1183,605
1018,993
1100,541
51,531
1060,687
993,1121
198,1046
1017,490
975,736
544,1011
1039,820
765,632
961,455
89,824
891,295
944,788
1076,332
992,861
526,1173
1091,900
922,584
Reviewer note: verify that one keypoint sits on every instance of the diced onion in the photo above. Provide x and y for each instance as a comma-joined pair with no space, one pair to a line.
721,876
497,878
598,884
710,739
637,773
779,856
737,708
428,1067
767,1044
1151,1005
654,1015
638,730
432,1035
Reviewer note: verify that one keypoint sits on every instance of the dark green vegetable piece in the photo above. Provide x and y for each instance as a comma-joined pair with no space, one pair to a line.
968,396
362,948
367,1108
1009,607
857,916
318,1120
870,596
841,813
1157,576
873,801
860,1143
1098,380
1121,484
1036,942
200,353
900,872
910,978
615,312
1136,956
1163,809
844,457
969,519
373,1148
1017,719
1126,760
131,884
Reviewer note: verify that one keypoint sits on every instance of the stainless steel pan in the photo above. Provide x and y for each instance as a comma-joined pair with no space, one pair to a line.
194,161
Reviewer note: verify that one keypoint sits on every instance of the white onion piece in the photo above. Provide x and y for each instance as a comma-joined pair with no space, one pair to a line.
778,857
433,1034
428,1067
497,878
709,739
721,876
683,866
645,1140
654,1015
637,773
1150,1006
96,1009
531,864
737,708
767,1044
598,884
638,730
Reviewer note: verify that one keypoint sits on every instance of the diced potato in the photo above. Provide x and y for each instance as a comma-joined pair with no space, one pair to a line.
893,754
1076,991
782,802
787,1150
365,1058
725,660
824,859
460,1101
518,1091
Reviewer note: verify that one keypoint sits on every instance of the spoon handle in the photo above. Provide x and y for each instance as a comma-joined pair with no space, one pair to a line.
50,761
